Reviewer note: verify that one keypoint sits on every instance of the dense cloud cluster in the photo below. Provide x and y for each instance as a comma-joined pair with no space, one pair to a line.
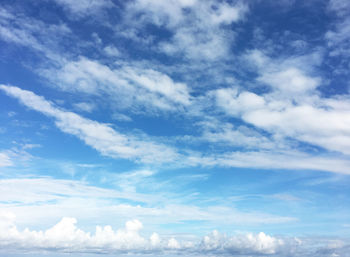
66,237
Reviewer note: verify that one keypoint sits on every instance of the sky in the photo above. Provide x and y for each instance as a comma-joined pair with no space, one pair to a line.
174,128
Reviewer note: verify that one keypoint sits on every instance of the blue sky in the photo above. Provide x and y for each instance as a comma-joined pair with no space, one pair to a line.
178,127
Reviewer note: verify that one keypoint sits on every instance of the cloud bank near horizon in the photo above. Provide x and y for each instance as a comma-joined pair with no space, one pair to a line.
66,237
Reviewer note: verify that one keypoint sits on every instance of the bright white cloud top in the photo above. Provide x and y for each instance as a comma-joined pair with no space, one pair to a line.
178,127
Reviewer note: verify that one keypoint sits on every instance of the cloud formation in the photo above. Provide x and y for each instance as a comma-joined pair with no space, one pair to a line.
292,107
126,86
66,237
110,142
47,199
5,160
85,7
101,137
196,26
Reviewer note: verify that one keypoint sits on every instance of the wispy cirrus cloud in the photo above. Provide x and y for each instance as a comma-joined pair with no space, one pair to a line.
126,86
83,8
17,28
101,137
131,196
110,142
197,28
5,160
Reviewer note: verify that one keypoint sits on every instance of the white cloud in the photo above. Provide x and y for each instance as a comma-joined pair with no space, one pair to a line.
121,117
84,7
42,37
337,40
16,155
271,159
127,86
41,201
101,137
292,107
341,7
83,106
290,81
173,244
316,125
242,244
337,37
5,160
157,82
112,143
197,26
222,133
67,237
111,51
236,103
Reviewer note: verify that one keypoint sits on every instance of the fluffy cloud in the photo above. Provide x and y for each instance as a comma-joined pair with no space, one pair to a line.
315,121
66,237
242,244
292,107
236,103
290,81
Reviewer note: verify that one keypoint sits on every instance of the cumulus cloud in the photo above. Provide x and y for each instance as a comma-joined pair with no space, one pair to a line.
242,244
291,80
67,237
292,107
236,103
314,121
